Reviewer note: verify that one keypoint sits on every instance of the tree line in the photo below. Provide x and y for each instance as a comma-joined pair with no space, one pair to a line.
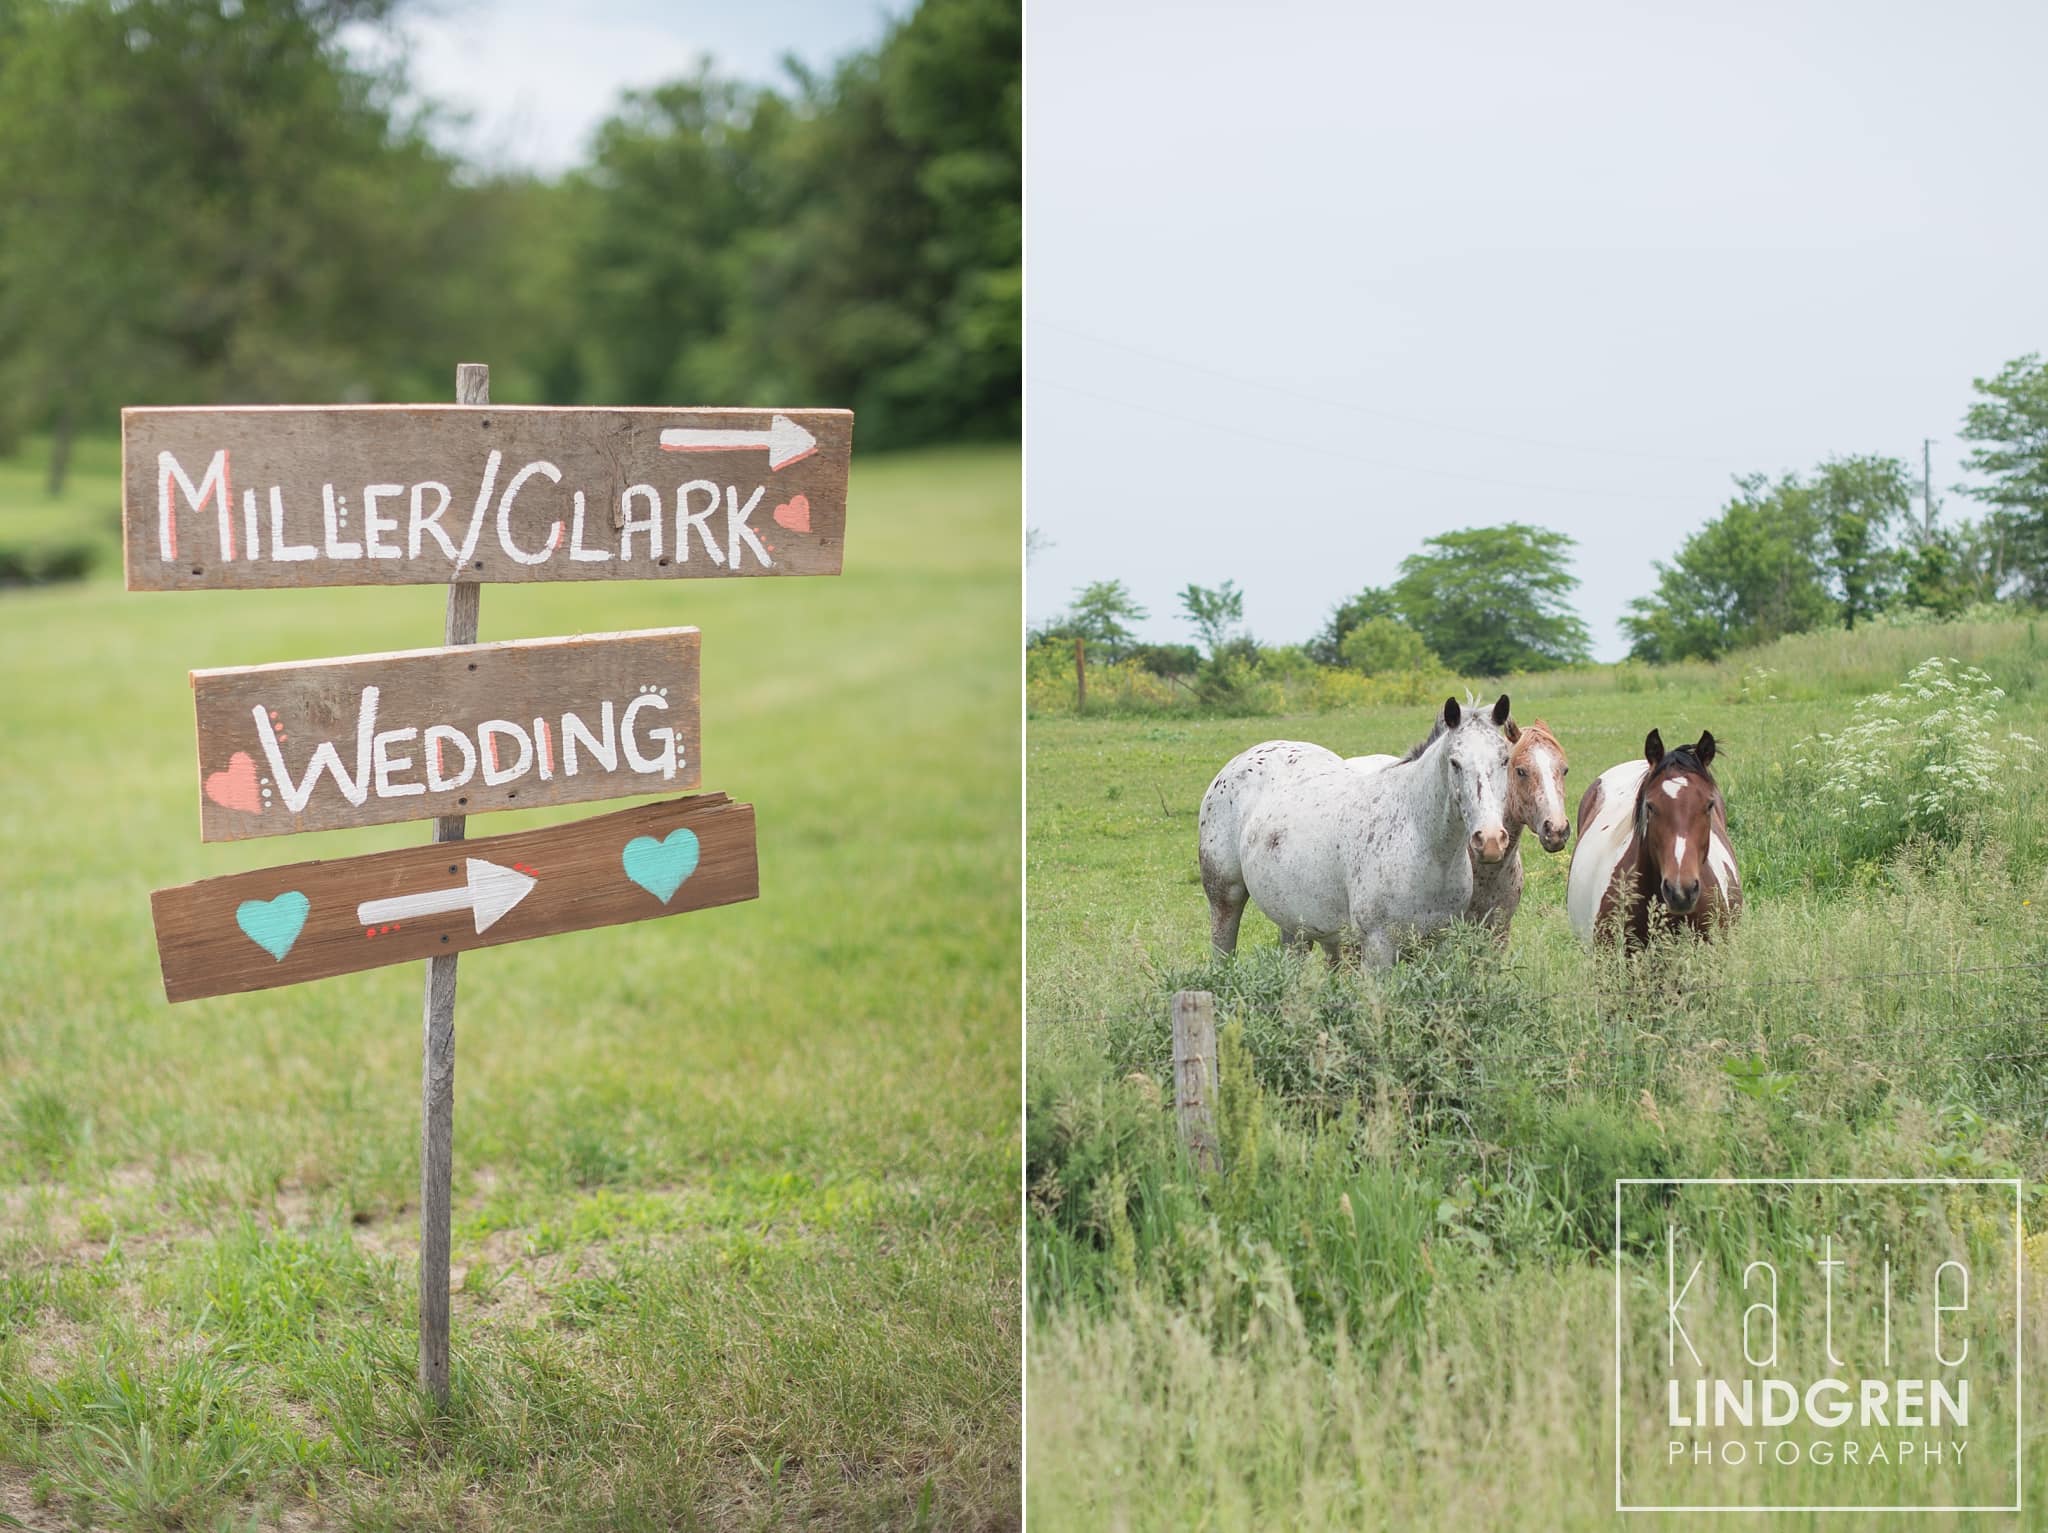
1839,545
210,202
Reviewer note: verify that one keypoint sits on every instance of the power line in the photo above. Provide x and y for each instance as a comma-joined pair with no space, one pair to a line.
1326,402
1237,432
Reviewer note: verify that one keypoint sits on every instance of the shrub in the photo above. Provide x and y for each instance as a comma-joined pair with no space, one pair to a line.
1167,659
1383,644
1920,759
39,564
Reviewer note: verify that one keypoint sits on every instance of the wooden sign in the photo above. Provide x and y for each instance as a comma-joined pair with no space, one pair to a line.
421,733
319,495
281,926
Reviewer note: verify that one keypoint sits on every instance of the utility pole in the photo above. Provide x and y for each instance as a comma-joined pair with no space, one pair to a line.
1927,485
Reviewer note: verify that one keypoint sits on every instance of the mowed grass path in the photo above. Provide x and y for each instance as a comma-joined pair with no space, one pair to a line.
736,1217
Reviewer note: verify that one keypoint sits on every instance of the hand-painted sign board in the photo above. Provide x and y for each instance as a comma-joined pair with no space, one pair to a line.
428,732
312,920
319,495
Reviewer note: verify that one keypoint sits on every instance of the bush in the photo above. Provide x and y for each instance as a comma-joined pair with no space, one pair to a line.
1383,644
1168,659
41,564
1920,760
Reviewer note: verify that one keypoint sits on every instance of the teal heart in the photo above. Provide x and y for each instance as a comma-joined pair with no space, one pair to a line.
660,867
274,925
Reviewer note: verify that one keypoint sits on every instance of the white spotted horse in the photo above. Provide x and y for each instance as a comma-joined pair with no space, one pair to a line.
1537,768
1335,855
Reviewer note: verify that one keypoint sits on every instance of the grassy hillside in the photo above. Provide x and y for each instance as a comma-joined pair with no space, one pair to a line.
1410,1241
735,1230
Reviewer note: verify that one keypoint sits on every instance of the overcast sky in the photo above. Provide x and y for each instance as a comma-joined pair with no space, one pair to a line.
537,76
1309,283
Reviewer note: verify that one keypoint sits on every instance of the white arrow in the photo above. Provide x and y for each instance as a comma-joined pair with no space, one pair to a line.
786,441
488,891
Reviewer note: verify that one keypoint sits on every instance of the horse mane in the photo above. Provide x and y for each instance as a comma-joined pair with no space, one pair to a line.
1680,756
1415,751
1436,730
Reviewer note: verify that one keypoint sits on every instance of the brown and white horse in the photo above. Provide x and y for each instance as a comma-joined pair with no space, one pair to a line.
1653,846
1536,773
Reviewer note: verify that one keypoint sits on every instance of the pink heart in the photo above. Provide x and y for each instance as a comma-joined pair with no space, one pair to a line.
795,514
236,787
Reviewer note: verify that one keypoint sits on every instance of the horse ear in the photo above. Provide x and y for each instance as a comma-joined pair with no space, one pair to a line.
1705,749
1653,748
1514,732
1451,713
1500,710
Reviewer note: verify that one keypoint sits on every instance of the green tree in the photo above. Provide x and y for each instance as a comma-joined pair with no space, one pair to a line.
1858,501
1214,612
1101,613
679,191
207,202
857,239
2009,422
1490,600
1381,645
1748,576
1326,648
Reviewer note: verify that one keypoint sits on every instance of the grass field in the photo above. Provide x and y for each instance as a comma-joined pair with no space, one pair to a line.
735,1227
1393,1306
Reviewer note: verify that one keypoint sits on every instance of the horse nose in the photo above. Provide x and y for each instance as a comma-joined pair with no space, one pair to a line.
1554,833
1490,845
1681,898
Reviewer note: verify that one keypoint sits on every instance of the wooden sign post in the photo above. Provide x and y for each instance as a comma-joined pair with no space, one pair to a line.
437,1012
250,498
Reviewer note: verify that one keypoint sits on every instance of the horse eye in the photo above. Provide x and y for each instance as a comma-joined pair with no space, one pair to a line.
1457,765
1522,772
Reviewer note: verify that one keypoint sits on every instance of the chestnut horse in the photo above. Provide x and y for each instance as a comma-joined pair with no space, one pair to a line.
1536,773
1653,847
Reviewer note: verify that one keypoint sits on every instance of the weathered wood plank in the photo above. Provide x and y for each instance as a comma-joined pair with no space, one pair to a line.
372,739
319,495
311,920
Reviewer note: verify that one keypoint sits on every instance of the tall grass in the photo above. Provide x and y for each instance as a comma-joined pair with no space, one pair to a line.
1406,1251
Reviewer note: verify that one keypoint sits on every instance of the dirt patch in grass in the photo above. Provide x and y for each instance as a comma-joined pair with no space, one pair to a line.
53,1342
18,1501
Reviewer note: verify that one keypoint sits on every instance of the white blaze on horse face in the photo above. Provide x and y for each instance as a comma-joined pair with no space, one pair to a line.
1602,843
1547,794
1673,786
1678,851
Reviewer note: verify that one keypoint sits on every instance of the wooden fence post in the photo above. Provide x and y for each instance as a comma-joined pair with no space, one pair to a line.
1194,1073
437,1031
1080,677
